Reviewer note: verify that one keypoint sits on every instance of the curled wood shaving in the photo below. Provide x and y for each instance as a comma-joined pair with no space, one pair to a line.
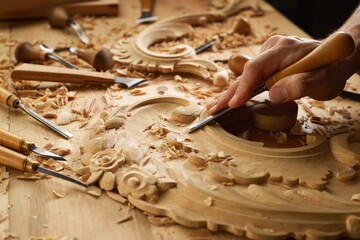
93,190
137,92
59,193
160,221
116,197
61,147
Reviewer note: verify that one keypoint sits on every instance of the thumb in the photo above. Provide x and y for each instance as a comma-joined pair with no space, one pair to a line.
288,88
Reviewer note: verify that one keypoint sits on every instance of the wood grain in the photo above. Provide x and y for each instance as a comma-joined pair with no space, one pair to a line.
37,213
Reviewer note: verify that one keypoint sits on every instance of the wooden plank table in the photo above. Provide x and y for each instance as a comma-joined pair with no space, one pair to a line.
33,210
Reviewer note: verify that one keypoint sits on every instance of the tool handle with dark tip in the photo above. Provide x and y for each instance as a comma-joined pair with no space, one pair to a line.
8,97
27,71
334,48
101,60
58,17
146,5
13,141
12,159
25,52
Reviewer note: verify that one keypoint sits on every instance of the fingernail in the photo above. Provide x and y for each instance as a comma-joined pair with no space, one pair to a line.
233,100
211,104
211,110
278,94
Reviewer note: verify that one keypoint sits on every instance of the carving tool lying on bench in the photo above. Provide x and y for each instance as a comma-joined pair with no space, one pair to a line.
336,47
27,71
24,163
101,60
20,144
12,100
146,16
24,52
59,18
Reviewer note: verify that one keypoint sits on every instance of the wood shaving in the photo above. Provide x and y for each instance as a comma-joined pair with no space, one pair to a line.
160,221
93,190
53,165
116,197
208,201
124,218
61,147
94,177
3,174
59,193
29,176
137,92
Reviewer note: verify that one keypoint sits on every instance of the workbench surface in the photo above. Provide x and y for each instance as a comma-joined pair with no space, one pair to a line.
32,208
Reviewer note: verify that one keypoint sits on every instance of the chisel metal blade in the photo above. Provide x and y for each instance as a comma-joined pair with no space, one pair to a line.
129,82
18,104
46,154
59,175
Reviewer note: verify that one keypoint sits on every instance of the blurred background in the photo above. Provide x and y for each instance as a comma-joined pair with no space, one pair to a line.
318,18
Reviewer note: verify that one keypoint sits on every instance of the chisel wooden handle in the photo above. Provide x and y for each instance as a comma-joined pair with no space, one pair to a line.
57,17
101,60
12,159
7,97
146,5
27,71
24,52
13,141
334,48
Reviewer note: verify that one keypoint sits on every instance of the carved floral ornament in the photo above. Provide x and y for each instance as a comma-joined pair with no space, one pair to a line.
258,192
135,51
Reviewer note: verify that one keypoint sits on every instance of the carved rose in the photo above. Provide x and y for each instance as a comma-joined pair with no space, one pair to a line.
137,183
107,160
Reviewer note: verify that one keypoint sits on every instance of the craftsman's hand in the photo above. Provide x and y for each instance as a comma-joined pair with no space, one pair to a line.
276,53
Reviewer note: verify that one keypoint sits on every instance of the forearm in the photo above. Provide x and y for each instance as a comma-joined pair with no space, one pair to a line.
352,26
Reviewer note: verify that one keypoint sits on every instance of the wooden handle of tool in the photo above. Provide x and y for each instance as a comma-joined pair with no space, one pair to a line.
24,52
336,47
146,5
101,60
7,97
12,159
27,71
13,141
58,17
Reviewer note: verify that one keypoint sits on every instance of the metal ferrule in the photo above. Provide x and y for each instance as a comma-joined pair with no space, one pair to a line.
30,165
26,145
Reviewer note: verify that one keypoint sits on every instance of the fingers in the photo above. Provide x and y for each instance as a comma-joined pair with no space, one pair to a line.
222,101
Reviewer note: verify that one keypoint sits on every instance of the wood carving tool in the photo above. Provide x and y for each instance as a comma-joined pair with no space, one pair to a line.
336,47
12,100
146,16
24,52
59,18
350,95
24,163
206,45
101,60
27,71
20,144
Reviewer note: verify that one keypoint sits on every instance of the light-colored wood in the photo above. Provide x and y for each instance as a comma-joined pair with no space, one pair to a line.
13,141
99,7
136,53
12,159
196,191
341,148
7,97
36,72
334,48
11,6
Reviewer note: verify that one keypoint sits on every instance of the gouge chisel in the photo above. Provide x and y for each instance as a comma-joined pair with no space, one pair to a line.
334,48
20,144
12,100
21,162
